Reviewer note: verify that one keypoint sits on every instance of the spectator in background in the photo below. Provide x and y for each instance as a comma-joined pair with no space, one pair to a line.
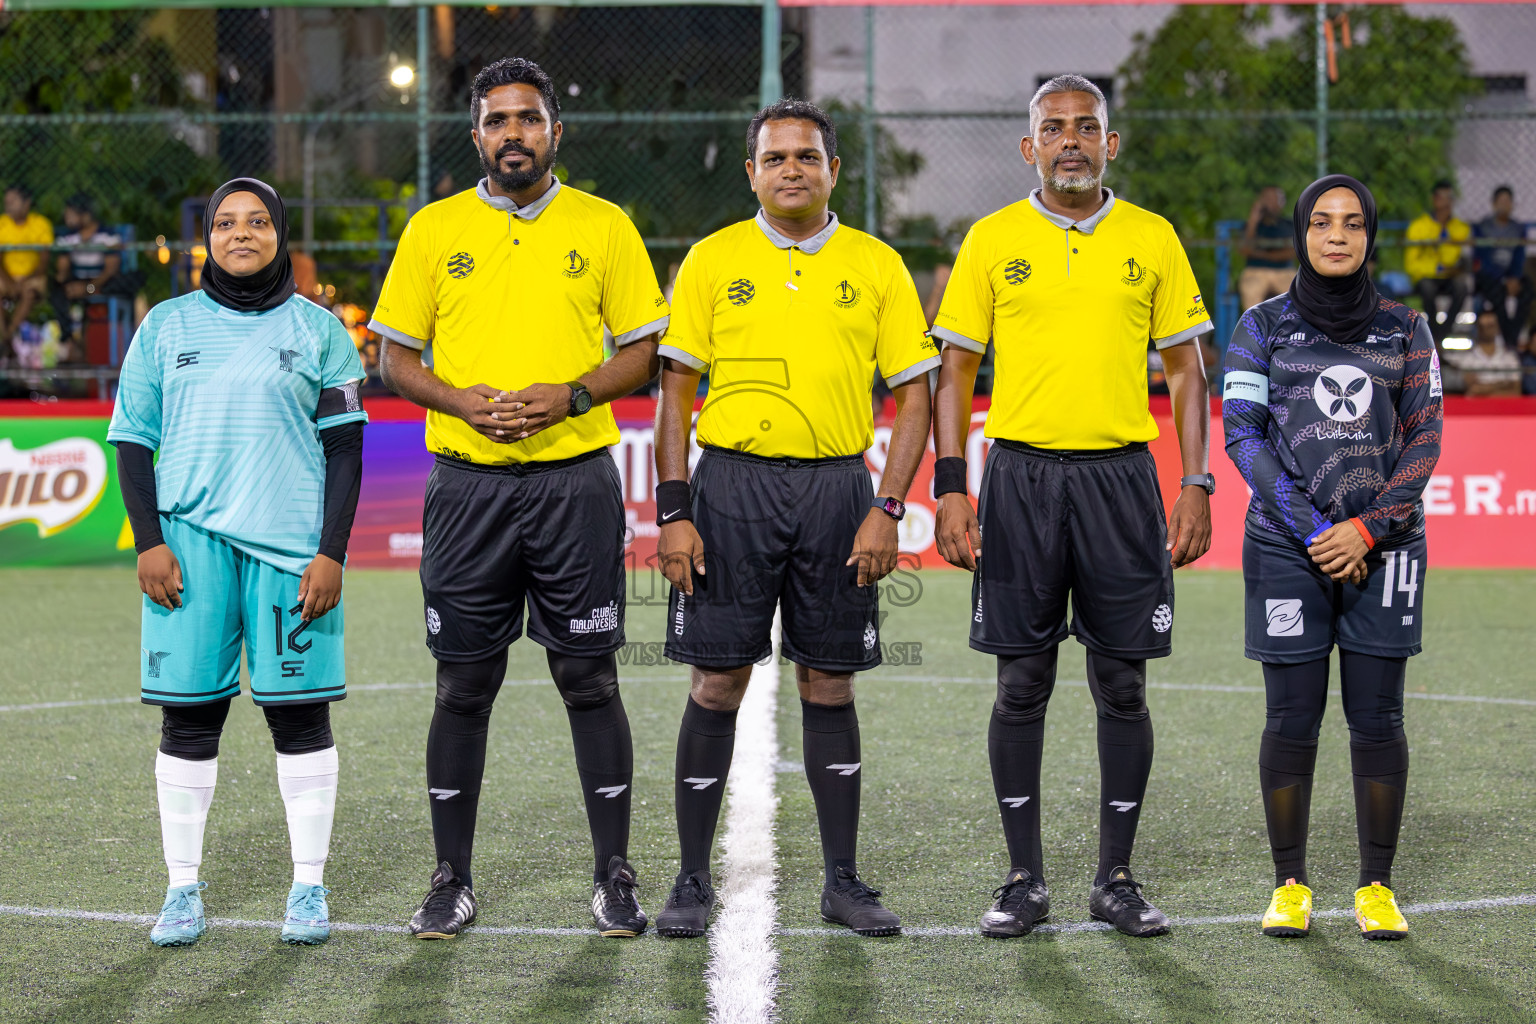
1436,263
1489,368
1269,248
22,274
81,274
1498,266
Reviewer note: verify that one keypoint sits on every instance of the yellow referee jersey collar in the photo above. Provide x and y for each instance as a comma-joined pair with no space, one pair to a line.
505,205
811,246
1086,225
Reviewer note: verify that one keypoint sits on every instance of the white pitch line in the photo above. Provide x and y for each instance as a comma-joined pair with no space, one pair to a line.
743,960
1075,927
1458,698
943,932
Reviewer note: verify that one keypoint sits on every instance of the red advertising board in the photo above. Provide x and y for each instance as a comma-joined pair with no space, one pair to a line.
1481,501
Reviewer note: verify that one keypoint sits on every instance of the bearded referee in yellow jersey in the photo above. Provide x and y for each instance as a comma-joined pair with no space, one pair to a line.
511,284
791,314
1071,285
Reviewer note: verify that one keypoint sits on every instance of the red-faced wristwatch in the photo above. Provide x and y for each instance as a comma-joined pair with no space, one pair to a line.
891,507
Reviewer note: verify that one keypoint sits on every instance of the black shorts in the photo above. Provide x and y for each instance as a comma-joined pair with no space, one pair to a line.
548,533
1293,612
776,532
1084,527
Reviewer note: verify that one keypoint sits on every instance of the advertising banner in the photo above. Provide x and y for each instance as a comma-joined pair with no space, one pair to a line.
60,505
59,501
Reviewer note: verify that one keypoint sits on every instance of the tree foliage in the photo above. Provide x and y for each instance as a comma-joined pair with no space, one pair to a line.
1220,101
95,62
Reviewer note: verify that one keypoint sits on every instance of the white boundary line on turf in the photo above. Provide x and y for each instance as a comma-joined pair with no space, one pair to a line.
743,960
952,932
1457,698
1075,927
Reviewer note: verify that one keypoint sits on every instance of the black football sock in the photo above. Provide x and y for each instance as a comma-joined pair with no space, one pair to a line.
1015,738
1381,782
456,755
1373,704
832,767
605,762
704,747
1014,748
1285,779
1119,688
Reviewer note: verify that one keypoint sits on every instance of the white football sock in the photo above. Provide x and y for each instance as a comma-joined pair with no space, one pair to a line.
185,789
308,785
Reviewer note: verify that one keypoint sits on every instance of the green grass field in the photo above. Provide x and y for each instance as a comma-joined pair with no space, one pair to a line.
79,832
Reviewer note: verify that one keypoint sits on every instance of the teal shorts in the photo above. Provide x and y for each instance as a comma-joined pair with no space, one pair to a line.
191,655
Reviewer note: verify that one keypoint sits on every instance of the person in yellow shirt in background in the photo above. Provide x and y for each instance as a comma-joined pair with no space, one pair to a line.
1437,268
21,272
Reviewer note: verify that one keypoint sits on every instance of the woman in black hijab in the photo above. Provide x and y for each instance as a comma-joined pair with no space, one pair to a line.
1332,410
249,394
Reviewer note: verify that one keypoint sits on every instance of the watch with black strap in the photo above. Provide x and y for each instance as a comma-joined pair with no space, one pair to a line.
891,507
581,398
1205,480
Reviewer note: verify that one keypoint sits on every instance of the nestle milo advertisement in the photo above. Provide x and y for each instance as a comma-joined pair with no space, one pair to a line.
59,502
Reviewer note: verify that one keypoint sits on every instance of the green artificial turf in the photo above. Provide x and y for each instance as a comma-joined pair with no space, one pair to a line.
79,831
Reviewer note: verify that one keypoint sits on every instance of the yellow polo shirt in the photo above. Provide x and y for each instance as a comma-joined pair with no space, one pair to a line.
791,334
1070,308
35,230
510,296
1434,261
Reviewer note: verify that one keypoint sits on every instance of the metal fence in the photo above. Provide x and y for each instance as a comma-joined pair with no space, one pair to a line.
359,114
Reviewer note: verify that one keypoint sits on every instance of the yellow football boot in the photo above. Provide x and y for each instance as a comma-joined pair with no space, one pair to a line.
1376,911
1290,911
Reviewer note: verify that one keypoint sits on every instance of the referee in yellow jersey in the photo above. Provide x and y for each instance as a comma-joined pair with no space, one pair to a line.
791,314
511,284
1071,285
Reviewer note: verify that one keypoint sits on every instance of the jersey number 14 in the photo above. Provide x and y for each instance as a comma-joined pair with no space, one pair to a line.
1407,578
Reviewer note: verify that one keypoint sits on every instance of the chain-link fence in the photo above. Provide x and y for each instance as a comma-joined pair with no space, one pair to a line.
358,115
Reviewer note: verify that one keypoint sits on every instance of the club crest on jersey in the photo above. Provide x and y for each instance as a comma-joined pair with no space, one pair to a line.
1134,272
1343,392
847,295
461,264
740,292
1016,271
284,358
154,659
575,265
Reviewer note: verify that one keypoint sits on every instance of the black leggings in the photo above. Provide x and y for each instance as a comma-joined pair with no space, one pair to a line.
1297,695
191,732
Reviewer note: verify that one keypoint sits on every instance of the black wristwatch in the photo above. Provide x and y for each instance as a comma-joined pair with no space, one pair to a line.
581,398
891,507
1205,480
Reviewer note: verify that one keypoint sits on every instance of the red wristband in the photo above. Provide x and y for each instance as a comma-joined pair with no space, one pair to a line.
1370,542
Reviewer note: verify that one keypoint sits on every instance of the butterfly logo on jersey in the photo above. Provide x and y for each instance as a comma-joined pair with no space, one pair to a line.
575,265
461,264
847,295
740,292
1343,392
1134,272
284,358
1016,271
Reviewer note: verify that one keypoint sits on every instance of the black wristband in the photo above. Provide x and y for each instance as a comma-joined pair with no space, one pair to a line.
949,476
674,501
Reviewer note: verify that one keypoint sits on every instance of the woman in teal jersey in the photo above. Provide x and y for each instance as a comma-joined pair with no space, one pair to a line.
249,395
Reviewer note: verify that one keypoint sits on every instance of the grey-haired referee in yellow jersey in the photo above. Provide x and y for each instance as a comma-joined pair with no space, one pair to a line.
512,284
1071,285
791,314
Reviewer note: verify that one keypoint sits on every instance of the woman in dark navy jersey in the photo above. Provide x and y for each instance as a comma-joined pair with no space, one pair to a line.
1332,409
